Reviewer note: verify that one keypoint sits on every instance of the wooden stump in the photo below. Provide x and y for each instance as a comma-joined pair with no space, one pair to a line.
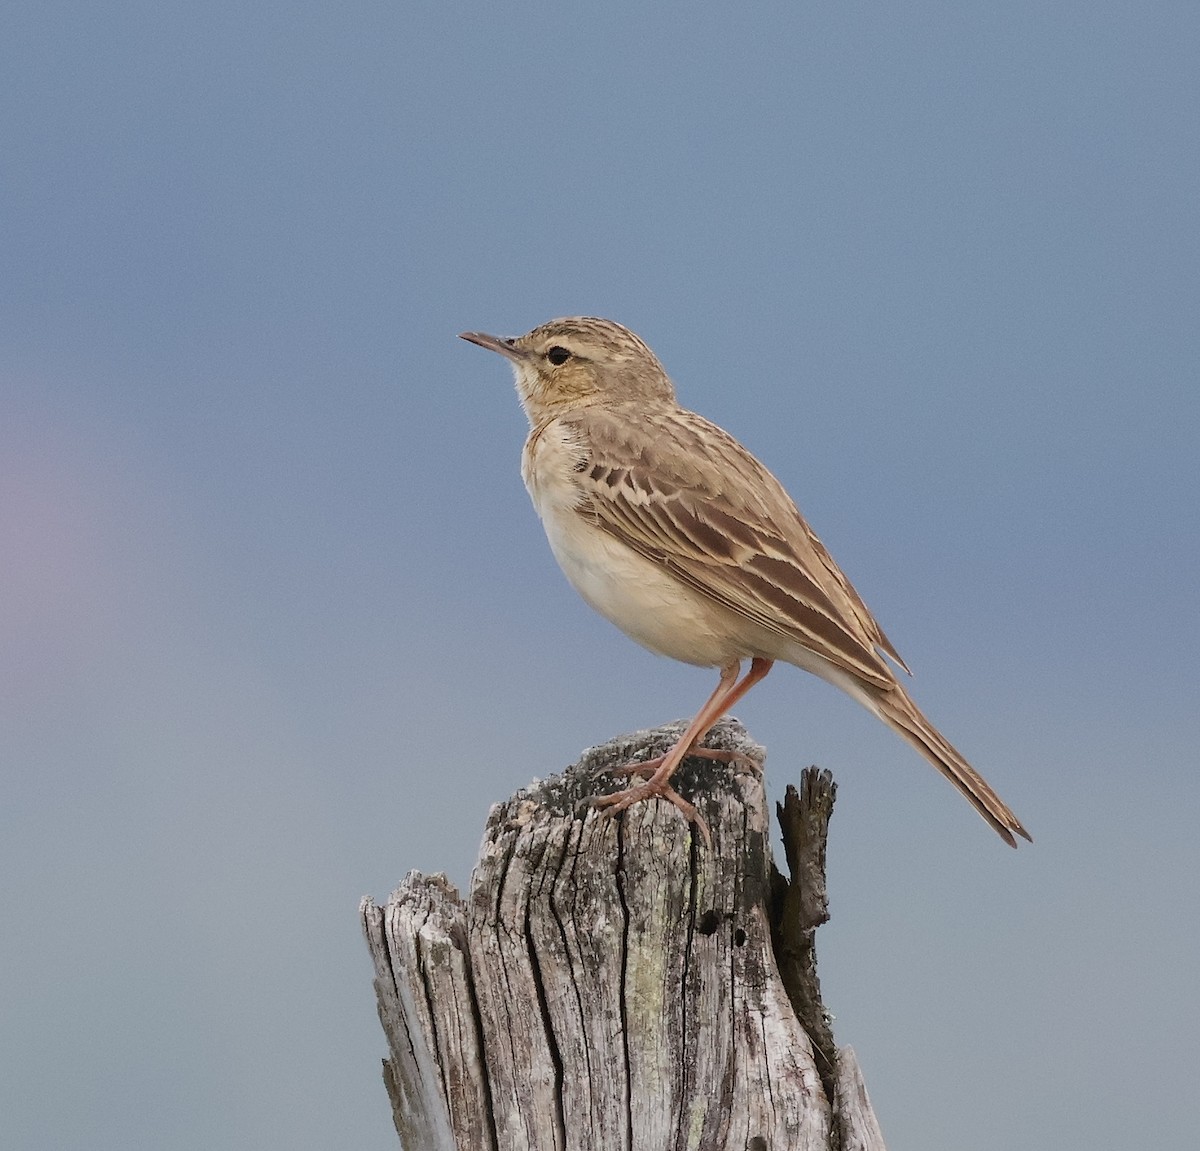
614,983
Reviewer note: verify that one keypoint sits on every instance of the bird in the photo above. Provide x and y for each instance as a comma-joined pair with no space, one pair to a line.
671,529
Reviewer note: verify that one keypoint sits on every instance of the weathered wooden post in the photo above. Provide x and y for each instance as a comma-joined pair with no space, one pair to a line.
616,984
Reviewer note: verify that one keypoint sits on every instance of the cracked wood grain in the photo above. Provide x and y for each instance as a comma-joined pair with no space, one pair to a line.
606,984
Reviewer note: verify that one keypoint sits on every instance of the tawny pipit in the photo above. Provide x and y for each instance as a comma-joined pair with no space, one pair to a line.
672,530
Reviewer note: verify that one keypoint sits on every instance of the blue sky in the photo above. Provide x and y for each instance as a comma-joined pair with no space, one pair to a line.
277,623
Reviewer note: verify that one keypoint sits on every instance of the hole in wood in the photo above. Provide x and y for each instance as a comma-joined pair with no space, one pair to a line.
707,923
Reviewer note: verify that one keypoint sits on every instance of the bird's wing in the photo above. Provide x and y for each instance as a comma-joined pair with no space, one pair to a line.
685,494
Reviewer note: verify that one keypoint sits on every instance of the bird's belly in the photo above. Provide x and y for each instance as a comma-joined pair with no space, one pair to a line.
648,604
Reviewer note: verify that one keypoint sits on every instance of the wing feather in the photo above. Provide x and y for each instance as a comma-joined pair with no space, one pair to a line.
685,494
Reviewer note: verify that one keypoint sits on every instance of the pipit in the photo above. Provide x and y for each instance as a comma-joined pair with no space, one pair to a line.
672,530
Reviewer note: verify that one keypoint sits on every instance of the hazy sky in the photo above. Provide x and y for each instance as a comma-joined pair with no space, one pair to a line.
277,623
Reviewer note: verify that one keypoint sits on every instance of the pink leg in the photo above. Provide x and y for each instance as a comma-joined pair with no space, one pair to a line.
727,693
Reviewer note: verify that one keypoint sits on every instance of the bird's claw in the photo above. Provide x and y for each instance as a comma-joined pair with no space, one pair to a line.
647,768
610,805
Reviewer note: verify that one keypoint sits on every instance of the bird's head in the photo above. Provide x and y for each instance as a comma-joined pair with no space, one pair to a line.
578,361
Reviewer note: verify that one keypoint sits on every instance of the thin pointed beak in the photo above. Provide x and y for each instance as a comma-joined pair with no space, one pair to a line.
493,344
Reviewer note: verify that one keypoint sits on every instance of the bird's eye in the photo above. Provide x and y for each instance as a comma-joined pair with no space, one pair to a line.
558,354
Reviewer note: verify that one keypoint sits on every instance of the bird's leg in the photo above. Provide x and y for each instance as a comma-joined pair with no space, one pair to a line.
728,691
647,767
721,700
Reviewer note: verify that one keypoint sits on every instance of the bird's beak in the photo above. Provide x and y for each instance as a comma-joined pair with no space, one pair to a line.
493,344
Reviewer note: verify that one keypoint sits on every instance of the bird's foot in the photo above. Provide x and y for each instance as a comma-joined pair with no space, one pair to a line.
609,805
647,768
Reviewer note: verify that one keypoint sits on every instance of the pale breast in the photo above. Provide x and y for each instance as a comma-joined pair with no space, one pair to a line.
549,466
643,599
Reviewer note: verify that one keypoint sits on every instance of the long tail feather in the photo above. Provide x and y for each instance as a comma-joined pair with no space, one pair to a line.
903,716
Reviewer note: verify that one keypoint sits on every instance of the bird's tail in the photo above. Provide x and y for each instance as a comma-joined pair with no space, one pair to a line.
903,716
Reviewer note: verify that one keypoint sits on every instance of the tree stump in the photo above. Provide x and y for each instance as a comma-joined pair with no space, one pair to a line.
616,984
